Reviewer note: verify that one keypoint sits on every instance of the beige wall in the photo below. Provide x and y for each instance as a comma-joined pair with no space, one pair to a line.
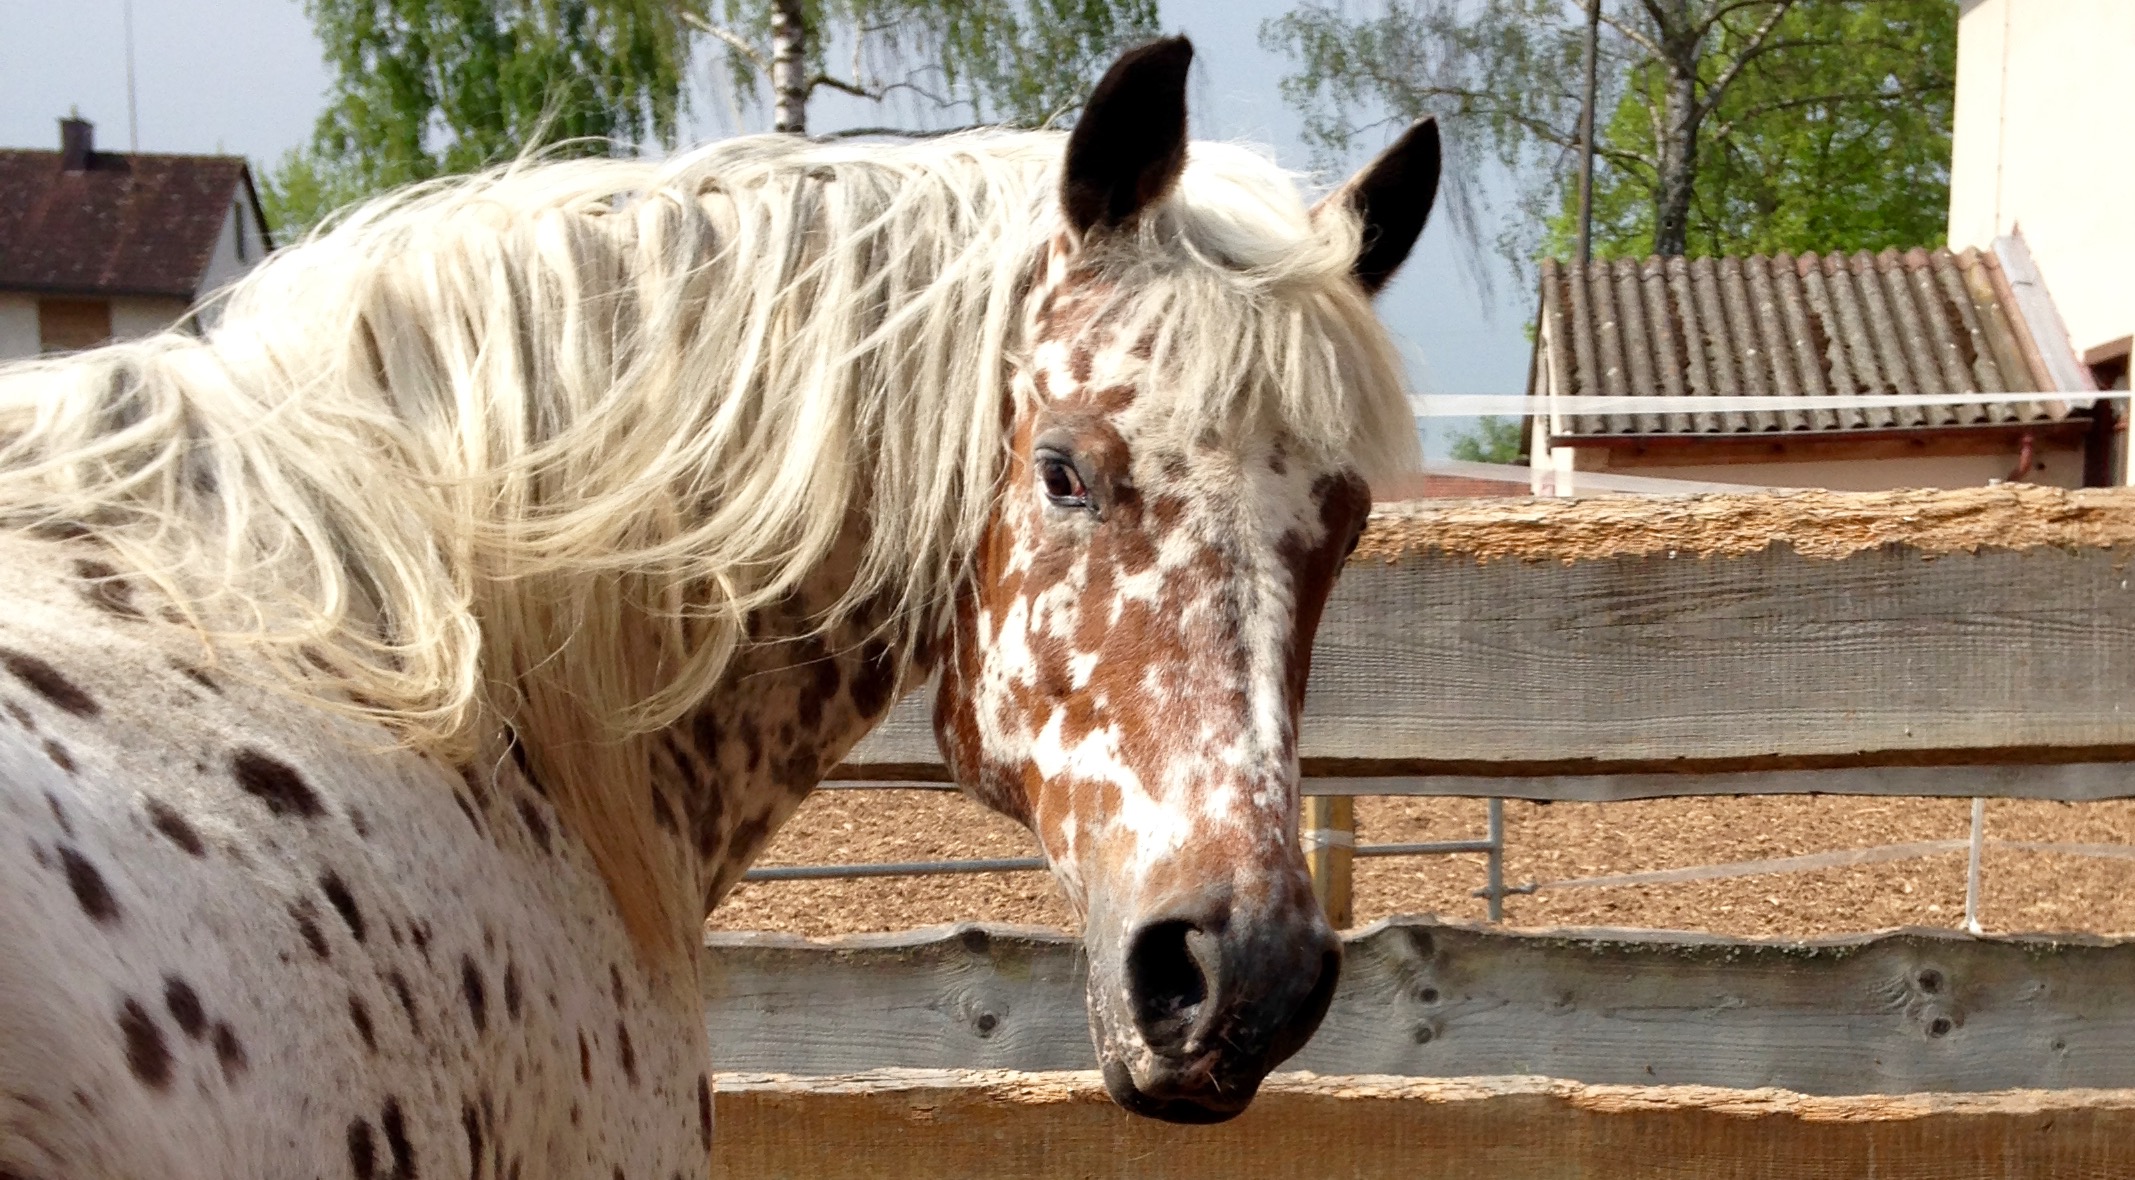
2058,467
237,249
132,317
18,326
2045,141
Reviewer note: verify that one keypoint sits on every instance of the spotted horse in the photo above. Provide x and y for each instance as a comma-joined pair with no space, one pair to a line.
394,671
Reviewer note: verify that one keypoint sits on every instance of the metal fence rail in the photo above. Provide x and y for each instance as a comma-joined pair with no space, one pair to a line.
1329,845
1332,848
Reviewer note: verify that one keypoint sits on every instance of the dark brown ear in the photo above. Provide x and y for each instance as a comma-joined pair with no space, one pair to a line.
1393,196
1130,144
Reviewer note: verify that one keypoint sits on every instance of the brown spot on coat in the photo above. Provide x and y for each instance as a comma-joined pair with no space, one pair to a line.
536,823
876,679
59,756
306,916
174,826
471,1122
624,1053
399,984
105,589
197,676
275,783
476,993
396,1140
704,1111
47,681
88,885
344,902
184,1005
360,1015
229,1051
362,1152
146,1054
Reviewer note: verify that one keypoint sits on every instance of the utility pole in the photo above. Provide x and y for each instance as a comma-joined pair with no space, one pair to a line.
1586,137
133,109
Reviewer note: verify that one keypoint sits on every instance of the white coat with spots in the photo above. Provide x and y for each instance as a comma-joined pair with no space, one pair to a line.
350,904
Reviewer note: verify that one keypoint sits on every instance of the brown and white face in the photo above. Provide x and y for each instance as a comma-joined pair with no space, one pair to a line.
1127,673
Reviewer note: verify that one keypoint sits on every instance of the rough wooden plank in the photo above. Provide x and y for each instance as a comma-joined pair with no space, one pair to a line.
1894,1013
1717,635
923,1126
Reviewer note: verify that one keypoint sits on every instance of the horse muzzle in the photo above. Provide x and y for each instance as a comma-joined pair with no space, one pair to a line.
1192,1007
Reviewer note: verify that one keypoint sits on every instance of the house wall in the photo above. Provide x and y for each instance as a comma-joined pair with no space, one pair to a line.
2057,466
2045,115
238,248
132,317
18,326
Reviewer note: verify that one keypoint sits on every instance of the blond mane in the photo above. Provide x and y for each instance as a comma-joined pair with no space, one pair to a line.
528,448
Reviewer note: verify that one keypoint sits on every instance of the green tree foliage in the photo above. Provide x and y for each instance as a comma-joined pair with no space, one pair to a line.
1729,125
426,88
1019,62
1494,440
1841,141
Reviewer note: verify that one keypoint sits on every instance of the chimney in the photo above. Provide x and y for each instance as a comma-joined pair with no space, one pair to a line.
77,137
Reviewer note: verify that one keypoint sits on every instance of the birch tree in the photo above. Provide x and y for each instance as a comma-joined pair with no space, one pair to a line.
1706,108
425,88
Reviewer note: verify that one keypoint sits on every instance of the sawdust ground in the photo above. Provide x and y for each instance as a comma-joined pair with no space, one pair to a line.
2022,891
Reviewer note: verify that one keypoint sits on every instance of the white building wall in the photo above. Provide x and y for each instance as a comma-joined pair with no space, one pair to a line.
238,248
18,326
133,317
2044,122
2055,466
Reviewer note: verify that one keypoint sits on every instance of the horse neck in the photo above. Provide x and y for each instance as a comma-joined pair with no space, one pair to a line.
797,698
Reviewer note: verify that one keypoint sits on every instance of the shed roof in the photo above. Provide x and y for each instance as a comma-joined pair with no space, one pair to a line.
127,224
1914,324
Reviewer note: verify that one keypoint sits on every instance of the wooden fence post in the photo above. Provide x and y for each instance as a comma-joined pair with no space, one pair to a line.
1330,838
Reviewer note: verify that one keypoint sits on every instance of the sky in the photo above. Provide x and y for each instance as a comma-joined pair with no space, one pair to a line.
246,77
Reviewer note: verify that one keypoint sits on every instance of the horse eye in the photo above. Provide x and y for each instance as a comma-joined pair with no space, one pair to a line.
1063,486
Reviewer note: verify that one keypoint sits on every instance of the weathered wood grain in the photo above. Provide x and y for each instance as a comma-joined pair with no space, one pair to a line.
910,1125
1895,1013
1585,668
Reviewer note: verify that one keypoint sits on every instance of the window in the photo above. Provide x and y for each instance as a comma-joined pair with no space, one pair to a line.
64,325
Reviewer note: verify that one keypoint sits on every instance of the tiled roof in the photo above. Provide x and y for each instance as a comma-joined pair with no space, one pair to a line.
1916,323
128,224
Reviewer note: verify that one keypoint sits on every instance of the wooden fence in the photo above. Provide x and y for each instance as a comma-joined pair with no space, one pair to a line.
1969,643
1803,643
1452,1050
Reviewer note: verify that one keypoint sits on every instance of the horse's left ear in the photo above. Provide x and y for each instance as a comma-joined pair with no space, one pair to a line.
1129,147
1392,197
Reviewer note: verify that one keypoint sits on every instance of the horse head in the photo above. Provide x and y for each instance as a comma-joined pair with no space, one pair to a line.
1128,665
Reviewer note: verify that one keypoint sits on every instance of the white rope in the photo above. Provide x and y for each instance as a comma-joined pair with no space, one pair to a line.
1470,405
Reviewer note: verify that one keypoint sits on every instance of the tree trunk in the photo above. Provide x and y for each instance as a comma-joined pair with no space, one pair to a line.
789,67
1678,154
1679,166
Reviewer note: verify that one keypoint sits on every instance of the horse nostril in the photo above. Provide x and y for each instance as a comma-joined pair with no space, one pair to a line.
1166,982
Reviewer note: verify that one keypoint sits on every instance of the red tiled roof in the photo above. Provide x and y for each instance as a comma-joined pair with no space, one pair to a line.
128,224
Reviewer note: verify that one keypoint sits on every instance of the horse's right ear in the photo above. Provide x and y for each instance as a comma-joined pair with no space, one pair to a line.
1392,196
1130,144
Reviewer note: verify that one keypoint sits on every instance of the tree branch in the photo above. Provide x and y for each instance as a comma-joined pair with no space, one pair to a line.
901,132
1634,35
1704,106
733,40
